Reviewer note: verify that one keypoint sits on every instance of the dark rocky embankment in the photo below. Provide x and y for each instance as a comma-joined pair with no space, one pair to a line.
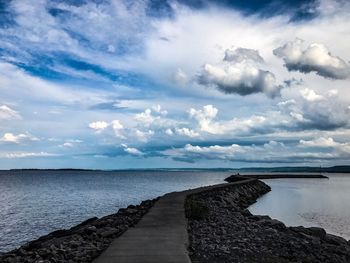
237,177
221,229
81,243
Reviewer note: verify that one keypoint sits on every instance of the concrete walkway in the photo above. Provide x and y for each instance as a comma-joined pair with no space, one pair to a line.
160,236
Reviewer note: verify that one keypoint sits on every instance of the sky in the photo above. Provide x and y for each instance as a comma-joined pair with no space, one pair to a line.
117,84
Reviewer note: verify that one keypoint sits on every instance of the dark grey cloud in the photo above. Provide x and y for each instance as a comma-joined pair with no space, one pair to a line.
314,58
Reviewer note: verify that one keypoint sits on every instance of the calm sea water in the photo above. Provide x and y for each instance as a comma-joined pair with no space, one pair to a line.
309,202
34,203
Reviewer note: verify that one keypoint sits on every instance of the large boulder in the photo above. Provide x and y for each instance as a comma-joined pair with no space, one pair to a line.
335,240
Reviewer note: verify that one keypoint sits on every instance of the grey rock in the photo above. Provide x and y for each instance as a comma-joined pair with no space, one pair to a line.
110,232
317,231
90,229
335,240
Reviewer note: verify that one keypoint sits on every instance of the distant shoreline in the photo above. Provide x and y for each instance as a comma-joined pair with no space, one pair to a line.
296,169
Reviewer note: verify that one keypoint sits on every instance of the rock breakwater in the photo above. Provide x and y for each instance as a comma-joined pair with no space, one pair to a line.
237,177
225,231
81,243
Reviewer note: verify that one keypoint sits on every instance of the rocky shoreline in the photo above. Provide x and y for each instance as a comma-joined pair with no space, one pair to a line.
81,243
221,229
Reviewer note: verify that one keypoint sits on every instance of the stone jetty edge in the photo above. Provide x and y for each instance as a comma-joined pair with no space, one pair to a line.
222,229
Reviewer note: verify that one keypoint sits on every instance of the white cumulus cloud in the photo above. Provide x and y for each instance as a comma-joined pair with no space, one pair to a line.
19,138
98,125
117,128
131,150
146,117
314,58
169,132
143,136
240,73
187,132
205,118
311,95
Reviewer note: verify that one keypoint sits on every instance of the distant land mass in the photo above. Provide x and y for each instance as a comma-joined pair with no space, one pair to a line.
295,169
299,169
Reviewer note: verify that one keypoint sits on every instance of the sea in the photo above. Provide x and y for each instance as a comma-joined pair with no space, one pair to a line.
36,202
309,202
